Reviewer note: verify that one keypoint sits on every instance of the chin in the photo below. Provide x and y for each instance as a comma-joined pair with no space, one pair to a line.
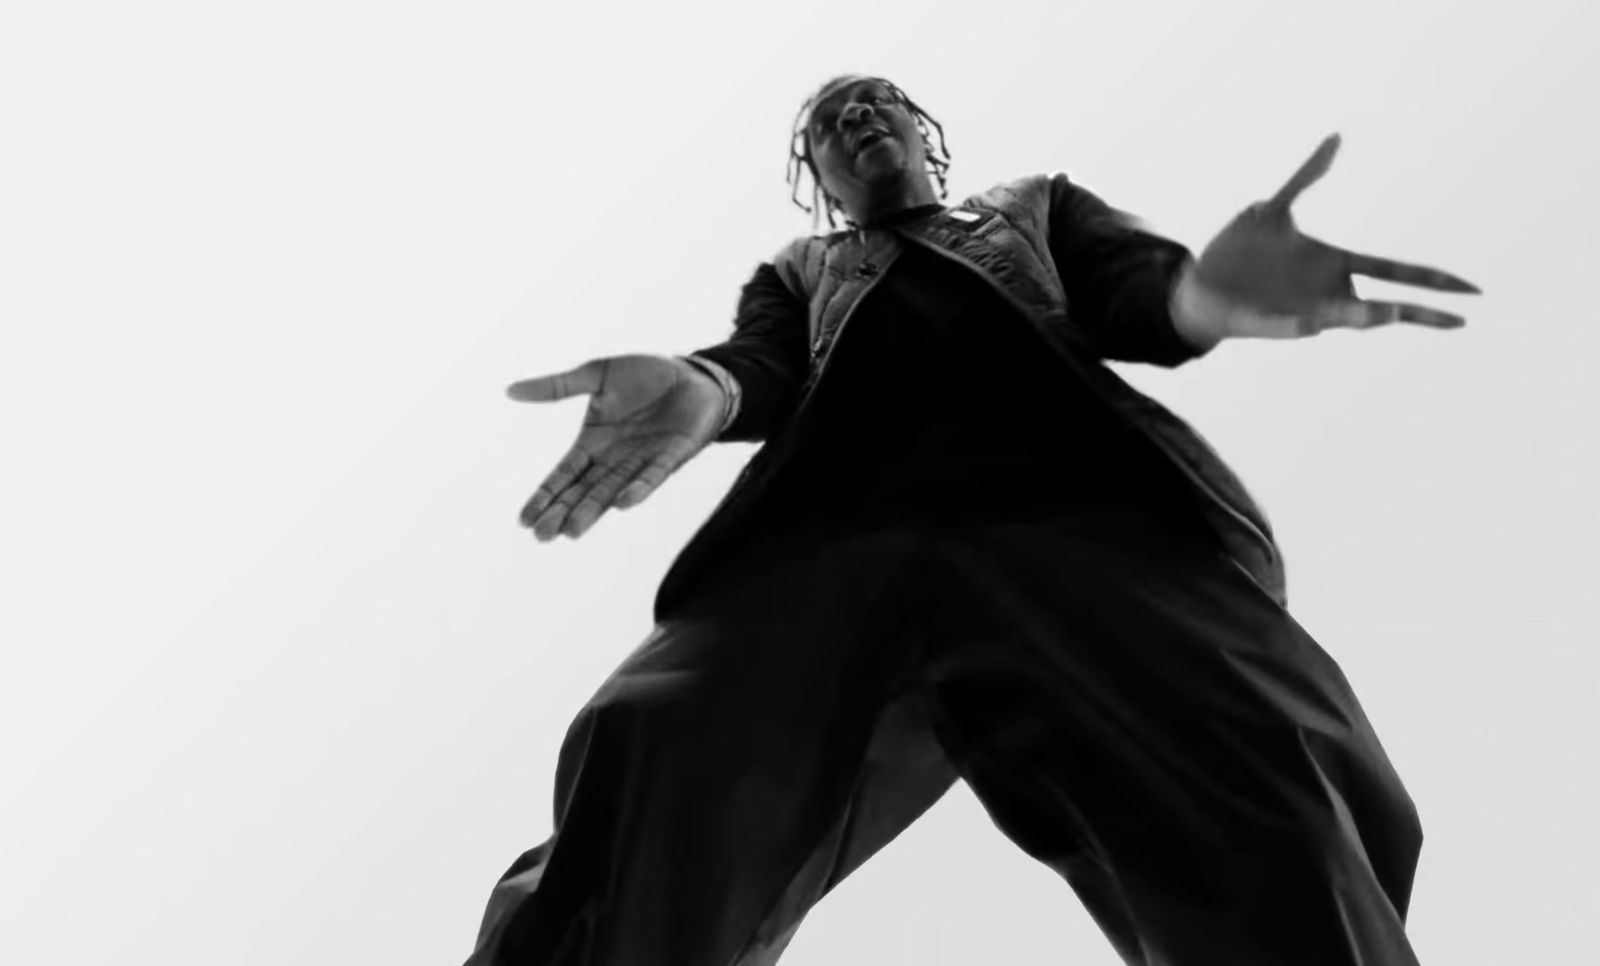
885,154
883,170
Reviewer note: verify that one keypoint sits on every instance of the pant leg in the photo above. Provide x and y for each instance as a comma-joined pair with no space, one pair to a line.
751,752
1135,711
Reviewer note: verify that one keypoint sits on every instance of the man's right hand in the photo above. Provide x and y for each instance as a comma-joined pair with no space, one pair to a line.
647,416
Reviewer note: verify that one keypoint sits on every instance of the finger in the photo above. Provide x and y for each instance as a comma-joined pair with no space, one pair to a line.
1250,323
1404,272
549,523
561,479
1364,314
653,475
599,497
634,494
587,378
572,464
1313,169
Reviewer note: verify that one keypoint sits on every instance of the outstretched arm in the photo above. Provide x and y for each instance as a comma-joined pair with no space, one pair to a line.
1142,298
1119,279
648,415
766,357
1261,278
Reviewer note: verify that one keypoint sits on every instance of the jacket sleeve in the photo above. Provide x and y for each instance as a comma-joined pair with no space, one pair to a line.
768,355
1118,278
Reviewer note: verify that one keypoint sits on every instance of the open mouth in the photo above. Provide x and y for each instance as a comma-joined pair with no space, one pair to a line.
870,137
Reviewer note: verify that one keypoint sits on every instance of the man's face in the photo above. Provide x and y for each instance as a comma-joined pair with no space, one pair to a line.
863,141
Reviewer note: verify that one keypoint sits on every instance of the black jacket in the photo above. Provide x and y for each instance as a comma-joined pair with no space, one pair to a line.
1094,283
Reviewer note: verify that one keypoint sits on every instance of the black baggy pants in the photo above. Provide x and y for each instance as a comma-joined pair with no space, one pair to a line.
1130,707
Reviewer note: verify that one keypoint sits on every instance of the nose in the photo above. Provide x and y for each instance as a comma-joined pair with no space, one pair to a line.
854,113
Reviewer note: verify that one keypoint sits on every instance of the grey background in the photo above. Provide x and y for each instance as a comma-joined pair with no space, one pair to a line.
284,683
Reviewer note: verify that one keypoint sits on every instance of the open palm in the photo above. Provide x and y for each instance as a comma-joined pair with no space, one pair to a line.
1296,285
647,416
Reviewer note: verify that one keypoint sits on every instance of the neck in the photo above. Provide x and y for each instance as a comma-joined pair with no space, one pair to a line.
885,204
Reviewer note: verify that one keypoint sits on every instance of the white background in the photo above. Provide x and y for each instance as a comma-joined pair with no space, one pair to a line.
282,682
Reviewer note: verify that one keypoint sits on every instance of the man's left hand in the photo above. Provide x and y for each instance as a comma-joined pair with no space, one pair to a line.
1260,277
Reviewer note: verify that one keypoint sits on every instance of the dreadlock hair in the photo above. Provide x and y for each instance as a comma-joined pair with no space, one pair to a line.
800,151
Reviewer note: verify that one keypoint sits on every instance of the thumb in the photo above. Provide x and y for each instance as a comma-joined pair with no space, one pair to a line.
587,378
1309,172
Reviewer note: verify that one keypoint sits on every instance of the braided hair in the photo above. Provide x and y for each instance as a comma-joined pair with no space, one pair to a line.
800,150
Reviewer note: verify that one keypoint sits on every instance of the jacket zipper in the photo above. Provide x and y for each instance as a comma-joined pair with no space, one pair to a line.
1072,366
821,355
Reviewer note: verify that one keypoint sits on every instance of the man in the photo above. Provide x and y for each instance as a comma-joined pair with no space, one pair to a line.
966,550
